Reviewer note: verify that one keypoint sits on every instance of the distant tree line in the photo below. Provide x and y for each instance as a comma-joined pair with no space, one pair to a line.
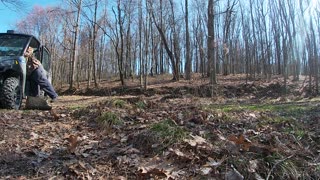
92,40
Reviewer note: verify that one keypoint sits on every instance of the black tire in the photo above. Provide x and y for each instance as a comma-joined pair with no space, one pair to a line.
11,93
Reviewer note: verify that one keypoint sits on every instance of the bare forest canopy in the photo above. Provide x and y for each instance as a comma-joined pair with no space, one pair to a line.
91,40
13,4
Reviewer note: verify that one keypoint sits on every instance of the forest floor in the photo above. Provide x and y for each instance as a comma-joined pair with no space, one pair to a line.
173,130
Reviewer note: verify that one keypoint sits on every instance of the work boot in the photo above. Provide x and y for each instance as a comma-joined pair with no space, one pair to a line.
54,100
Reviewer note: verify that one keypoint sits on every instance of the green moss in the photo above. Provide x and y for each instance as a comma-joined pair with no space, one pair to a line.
81,111
231,109
141,105
168,131
286,109
208,135
119,103
108,119
282,109
299,133
223,108
280,119
272,158
76,107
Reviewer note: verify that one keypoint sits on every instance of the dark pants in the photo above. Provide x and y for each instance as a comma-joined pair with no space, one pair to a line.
38,78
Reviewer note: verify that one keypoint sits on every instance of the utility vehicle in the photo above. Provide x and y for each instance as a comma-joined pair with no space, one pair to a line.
13,76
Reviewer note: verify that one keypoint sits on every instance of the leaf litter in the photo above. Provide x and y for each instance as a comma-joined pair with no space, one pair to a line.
152,137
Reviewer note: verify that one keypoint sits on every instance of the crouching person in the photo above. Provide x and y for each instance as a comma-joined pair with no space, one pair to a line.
37,76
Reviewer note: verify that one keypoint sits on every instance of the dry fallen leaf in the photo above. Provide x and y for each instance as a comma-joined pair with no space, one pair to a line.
205,170
253,166
241,140
155,167
213,163
55,115
119,178
246,145
197,140
73,142
34,135
180,156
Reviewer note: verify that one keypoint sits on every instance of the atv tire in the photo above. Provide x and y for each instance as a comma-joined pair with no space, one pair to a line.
11,93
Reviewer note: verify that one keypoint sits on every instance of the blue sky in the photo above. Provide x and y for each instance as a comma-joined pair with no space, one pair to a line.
10,16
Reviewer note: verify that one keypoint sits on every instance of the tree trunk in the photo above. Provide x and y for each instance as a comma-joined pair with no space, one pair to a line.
188,59
94,37
120,54
175,69
74,49
211,42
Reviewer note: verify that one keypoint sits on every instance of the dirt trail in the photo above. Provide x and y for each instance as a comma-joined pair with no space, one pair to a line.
77,101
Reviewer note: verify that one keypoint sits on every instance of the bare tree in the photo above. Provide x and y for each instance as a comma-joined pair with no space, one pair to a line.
93,42
199,26
257,38
174,57
313,60
117,38
140,43
211,42
226,36
121,37
188,59
146,40
276,30
14,5
74,57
